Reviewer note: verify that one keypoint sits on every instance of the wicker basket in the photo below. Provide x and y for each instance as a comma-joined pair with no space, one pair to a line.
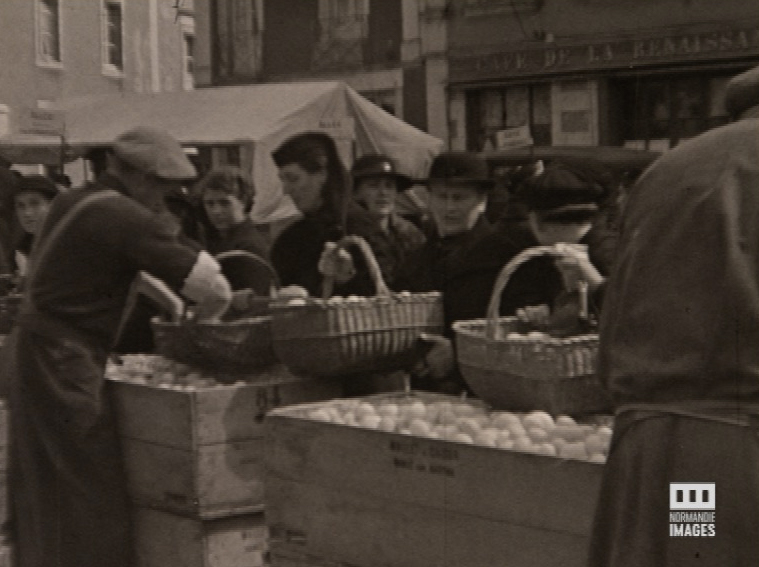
523,372
236,346
342,336
9,306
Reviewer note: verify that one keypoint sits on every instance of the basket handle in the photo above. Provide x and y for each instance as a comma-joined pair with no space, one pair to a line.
381,289
556,251
255,258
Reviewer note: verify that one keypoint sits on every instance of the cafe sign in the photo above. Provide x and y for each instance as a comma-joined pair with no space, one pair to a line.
629,53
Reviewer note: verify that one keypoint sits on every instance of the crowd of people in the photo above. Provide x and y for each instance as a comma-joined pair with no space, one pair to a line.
676,292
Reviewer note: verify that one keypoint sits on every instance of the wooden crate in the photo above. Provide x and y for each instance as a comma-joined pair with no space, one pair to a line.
162,539
339,495
199,452
6,555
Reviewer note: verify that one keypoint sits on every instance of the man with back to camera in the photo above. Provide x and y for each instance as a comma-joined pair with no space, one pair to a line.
66,476
679,334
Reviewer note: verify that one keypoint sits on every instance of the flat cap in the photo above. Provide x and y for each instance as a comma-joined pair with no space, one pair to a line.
562,191
154,151
460,168
742,92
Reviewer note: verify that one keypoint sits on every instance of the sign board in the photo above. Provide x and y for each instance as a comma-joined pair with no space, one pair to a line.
513,138
41,122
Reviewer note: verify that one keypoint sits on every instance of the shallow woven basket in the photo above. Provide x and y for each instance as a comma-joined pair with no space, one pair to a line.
231,346
330,337
556,375
9,307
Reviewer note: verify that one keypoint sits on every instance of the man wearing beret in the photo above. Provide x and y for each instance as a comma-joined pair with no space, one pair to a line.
66,476
679,353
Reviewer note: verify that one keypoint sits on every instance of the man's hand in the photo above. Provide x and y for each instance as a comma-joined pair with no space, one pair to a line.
440,360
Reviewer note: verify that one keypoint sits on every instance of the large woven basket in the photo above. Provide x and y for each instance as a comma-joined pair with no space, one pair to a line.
231,346
343,336
523,372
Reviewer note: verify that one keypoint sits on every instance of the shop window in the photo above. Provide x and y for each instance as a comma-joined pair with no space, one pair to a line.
662,112
113,37
48,32
491,111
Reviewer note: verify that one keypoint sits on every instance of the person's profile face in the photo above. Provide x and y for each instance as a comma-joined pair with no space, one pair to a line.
455,208
224,210
377,194
31,210
152,191
303,187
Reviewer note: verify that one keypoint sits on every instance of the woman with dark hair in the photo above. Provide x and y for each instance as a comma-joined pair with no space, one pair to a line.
227,194
315,178
32,197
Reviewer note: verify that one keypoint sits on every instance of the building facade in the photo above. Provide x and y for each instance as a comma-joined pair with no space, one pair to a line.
391,51
635,73
56,49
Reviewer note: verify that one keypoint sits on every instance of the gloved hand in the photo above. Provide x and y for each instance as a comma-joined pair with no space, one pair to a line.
575,266
336,263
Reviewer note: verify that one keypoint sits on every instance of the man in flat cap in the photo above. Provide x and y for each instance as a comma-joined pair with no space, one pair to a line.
67,485
679,353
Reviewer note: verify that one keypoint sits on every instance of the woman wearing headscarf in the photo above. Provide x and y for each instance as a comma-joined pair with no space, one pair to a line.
315,178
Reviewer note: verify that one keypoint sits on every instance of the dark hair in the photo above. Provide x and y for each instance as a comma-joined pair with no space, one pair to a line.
232,180
314,152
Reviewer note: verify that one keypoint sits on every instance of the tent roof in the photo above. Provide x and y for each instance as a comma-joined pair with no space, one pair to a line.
205,116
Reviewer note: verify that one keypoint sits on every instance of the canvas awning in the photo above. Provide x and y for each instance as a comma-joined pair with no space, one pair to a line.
259,117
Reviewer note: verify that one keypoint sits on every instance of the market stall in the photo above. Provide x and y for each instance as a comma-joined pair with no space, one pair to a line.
244,124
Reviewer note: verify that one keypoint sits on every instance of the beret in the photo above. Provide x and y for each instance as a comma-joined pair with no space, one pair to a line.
154,151
742,92
560,188
375,165
460,168
37,184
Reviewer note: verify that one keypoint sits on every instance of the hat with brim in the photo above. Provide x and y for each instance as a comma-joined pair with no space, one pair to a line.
742,92
155,152
460,169
374,165
36,184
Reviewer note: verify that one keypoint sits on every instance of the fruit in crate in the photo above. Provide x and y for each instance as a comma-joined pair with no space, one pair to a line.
469,422
160,372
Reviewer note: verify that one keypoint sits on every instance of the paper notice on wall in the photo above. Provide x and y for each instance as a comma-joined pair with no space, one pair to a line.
513,138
